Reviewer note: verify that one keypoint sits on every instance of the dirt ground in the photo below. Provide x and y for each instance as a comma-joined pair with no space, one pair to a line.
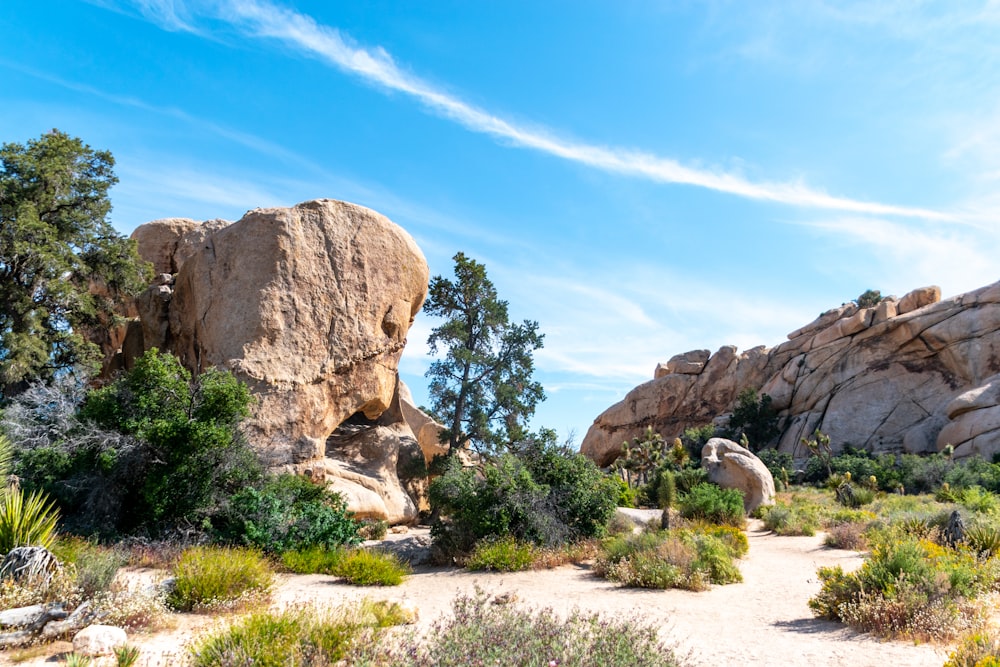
762,621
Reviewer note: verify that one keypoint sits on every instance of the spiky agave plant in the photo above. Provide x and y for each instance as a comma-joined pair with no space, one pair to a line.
26,520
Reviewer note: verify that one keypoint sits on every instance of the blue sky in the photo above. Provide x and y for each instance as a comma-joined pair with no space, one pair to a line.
641,178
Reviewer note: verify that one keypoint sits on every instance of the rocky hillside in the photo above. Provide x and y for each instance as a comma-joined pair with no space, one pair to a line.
310,306
914,374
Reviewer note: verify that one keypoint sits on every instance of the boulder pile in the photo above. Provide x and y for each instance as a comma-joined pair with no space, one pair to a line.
915,374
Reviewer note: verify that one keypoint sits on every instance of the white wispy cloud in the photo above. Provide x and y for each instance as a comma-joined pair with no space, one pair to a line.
375,65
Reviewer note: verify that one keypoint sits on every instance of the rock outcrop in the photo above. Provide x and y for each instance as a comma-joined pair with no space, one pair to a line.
310,306
891,378
732,466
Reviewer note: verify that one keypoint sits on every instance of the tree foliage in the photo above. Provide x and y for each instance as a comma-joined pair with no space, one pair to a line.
482,385
63,268
755,419
869,298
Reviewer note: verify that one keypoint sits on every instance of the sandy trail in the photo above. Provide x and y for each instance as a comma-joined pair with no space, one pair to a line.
763,621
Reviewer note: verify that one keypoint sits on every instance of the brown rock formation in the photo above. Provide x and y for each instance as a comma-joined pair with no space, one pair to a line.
732,466
310,306
882,378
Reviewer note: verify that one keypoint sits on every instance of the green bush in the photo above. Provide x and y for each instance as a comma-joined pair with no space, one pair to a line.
312,560
503,554
794,519
908,588
151,450
708,502
299,636
210,577
288,512
364,567
780,464
686,558
481,633
544,495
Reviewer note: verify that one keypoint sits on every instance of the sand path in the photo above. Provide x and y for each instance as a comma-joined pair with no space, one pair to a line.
763,621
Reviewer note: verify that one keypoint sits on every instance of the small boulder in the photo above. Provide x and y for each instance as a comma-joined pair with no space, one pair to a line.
97,640
734,467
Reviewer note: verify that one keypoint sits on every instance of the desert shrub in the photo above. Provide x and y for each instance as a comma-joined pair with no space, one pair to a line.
694,439
846,536
148,451
60,587
923,474
977,649
312,560
504,554
365,567
95,565
299,636
579,496
708,502
974,471
569,500
983,539
689,558
755,418
908,588
26,521
287,512
688,478
979,500
209,577
794,519
130,609
780,464
626,496
481,633
373,529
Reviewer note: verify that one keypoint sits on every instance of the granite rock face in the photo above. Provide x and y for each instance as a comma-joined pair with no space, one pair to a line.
914,375
733,466
310,307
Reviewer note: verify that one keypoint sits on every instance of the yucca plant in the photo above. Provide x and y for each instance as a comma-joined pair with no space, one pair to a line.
26,521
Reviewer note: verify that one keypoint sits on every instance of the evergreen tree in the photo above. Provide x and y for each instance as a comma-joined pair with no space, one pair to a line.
481,387
63,268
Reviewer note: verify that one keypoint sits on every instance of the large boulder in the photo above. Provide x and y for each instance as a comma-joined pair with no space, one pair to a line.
310,307
732,466
882,379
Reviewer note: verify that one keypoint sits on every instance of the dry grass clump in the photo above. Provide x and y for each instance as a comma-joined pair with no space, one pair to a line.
219,578
299,636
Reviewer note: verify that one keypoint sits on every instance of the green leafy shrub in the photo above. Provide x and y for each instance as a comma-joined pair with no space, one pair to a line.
288,512
979,500
708,502
312,560
481,633
298,636
688,478
545,496
210,577
504,554
26,521
780,464
151,450
364,567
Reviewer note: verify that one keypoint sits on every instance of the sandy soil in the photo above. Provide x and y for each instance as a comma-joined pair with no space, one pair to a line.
763,621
